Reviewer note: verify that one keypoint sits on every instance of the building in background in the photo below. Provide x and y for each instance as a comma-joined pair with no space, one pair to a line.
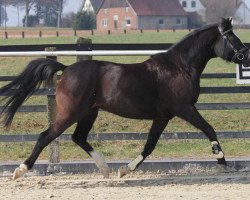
192,6
141,14
226,8
196,12
91,5
242,15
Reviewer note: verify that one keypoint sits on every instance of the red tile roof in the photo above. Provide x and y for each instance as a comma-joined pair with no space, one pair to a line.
157,7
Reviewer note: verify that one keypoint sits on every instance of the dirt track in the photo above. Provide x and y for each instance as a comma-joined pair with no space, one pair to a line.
134,187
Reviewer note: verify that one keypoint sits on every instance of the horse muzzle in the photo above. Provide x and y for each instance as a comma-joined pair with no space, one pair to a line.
243,57
246,62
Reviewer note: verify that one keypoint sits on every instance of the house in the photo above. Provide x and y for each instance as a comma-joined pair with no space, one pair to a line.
210,11
141,14
242,15
216,9
91,5
194,6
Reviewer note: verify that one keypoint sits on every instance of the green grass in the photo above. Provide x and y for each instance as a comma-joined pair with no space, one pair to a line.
234,120
130,149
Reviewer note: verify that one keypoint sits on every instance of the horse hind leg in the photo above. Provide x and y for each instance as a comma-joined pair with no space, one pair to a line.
80,138
54,131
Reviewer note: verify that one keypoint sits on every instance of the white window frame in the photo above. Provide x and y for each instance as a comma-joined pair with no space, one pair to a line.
163,22
104,22
182,3
126,21
193,2
178,19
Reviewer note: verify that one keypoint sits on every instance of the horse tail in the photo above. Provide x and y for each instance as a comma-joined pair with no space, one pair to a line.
36,72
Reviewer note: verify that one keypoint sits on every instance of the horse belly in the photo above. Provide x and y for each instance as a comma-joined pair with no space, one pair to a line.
136,108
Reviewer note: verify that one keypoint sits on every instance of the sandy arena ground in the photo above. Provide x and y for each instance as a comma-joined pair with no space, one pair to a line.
137,186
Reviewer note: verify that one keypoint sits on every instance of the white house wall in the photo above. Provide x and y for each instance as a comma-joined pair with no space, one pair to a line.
199,8
88,6
242,15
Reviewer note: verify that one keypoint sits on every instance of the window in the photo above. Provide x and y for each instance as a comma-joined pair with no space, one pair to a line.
105,11
184,4
126,9
161,21
178,21
128,22
193,4
104,22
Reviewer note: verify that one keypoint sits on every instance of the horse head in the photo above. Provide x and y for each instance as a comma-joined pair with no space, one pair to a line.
229,47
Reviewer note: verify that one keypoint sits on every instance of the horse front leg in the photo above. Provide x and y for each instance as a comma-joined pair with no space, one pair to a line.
191,115
153,137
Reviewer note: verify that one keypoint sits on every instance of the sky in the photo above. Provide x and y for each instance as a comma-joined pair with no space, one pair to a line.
69,6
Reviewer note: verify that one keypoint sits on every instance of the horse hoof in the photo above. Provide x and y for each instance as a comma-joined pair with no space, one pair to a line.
20,171
123,170
105,171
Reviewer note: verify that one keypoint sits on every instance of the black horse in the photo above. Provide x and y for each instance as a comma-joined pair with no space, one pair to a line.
164,86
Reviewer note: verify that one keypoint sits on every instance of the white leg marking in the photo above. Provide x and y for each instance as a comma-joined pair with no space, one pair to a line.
214,142
20,171
220,154
124,170
100,163
132,165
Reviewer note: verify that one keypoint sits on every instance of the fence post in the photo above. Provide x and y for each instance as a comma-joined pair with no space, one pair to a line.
54,157
6,34
81,40
40,34
23,36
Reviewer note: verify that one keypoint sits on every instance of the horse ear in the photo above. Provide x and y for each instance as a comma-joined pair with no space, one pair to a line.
231,20
223,23
226,23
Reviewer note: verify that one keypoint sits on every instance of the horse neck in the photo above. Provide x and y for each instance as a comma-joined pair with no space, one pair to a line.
196,50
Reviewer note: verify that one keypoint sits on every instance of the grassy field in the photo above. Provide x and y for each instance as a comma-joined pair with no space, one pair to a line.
234,120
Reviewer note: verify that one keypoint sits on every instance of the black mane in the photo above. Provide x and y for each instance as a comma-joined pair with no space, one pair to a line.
194,34
189,49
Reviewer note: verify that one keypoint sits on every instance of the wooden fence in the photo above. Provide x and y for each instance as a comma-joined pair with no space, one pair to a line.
83,46
36,33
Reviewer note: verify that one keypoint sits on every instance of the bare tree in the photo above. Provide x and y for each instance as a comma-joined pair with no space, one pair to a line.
3,13
216,9
27,5
50,11
59,19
